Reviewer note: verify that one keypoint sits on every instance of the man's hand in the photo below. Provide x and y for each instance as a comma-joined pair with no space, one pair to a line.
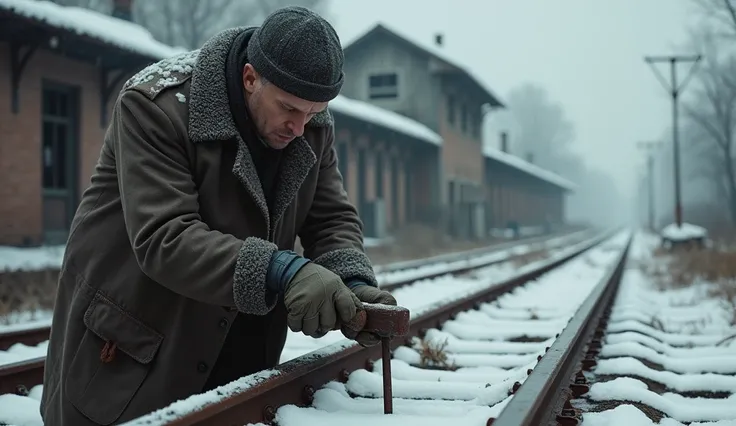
317,301
368,294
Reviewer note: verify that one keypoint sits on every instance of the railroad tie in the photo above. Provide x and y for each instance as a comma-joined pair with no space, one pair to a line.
387,322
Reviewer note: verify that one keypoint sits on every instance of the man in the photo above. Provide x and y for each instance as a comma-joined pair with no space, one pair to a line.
178,274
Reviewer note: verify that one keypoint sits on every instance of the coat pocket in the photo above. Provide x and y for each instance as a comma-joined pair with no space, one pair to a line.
111,362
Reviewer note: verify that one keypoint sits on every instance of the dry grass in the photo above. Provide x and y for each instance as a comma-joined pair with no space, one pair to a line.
536,252
434,355
683,268
27,291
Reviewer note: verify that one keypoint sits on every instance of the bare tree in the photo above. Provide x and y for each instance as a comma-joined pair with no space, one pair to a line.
102,6
189,23
721,12
711,115
538,125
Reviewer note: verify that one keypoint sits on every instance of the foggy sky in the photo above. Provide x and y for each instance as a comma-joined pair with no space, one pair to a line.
588,54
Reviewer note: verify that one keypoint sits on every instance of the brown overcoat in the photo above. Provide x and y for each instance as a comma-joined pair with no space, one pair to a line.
173,238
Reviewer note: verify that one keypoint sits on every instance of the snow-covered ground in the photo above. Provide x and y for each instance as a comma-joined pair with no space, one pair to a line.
660,356
418,297
493,348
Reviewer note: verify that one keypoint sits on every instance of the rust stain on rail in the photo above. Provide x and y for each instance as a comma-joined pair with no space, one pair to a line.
297,379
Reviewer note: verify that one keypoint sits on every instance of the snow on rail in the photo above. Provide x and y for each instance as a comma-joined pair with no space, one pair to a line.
116,32
457,399
420,297
661,352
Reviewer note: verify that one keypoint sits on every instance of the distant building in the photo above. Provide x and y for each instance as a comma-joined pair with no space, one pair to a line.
421,81
407,137
58,88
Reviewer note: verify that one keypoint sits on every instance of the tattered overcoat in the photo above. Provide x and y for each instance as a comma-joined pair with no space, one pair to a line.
173,237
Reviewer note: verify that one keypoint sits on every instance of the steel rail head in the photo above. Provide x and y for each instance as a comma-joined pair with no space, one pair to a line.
27,336
547,390
465,255
463,268
29,373
295,381
37,334
19,377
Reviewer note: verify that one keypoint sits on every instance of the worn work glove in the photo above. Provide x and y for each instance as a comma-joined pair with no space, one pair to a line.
368,294
317,301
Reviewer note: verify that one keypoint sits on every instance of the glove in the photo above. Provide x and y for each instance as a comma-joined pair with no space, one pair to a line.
317,301
368,294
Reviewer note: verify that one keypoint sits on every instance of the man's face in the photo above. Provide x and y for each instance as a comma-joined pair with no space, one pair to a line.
279,116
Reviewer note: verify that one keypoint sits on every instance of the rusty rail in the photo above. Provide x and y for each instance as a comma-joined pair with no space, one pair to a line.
544,398
20,377
295,381
35,335
26,336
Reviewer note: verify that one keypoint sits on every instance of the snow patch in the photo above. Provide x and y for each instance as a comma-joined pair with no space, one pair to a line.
31,258
167,71
685,232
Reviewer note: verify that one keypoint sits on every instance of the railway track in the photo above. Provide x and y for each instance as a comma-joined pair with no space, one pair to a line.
20,377
507,354
391,277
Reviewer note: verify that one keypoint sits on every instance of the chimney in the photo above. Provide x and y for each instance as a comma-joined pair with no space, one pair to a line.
504,142
438,39
122,9
530,157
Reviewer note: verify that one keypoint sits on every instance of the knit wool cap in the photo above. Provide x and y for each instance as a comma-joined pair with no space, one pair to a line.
299,52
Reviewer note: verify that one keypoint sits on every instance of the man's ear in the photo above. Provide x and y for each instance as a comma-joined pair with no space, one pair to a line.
250,77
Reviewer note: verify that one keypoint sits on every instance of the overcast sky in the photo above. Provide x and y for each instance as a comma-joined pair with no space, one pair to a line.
588,54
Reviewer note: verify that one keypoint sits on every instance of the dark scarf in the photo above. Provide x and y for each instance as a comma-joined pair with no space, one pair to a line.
237,357
265,158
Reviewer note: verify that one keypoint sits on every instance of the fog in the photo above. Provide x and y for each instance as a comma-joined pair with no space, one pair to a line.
579,97
585,56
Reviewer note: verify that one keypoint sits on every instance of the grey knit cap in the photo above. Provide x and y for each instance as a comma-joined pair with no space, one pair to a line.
299,52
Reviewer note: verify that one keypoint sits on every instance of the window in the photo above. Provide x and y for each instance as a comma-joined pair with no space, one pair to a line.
451,109
464,117
58,158
361,181
342,163
383,86
379,175
395,191
477,123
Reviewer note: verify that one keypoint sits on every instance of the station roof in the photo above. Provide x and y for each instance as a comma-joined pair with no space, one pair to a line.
524,166
451,63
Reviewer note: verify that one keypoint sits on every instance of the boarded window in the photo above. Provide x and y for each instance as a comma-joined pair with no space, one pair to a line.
383,86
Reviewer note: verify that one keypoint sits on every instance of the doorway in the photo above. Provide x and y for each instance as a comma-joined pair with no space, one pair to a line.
59,153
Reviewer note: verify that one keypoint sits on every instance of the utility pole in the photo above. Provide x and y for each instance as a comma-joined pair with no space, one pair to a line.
674,90
649,148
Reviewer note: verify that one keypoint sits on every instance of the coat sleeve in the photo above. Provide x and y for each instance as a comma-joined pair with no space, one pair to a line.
332,234
172,245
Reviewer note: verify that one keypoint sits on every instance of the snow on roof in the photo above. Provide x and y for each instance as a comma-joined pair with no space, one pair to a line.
383,117
117,32
527,167
433,50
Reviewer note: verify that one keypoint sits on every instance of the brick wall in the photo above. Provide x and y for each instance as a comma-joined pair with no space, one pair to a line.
20,139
